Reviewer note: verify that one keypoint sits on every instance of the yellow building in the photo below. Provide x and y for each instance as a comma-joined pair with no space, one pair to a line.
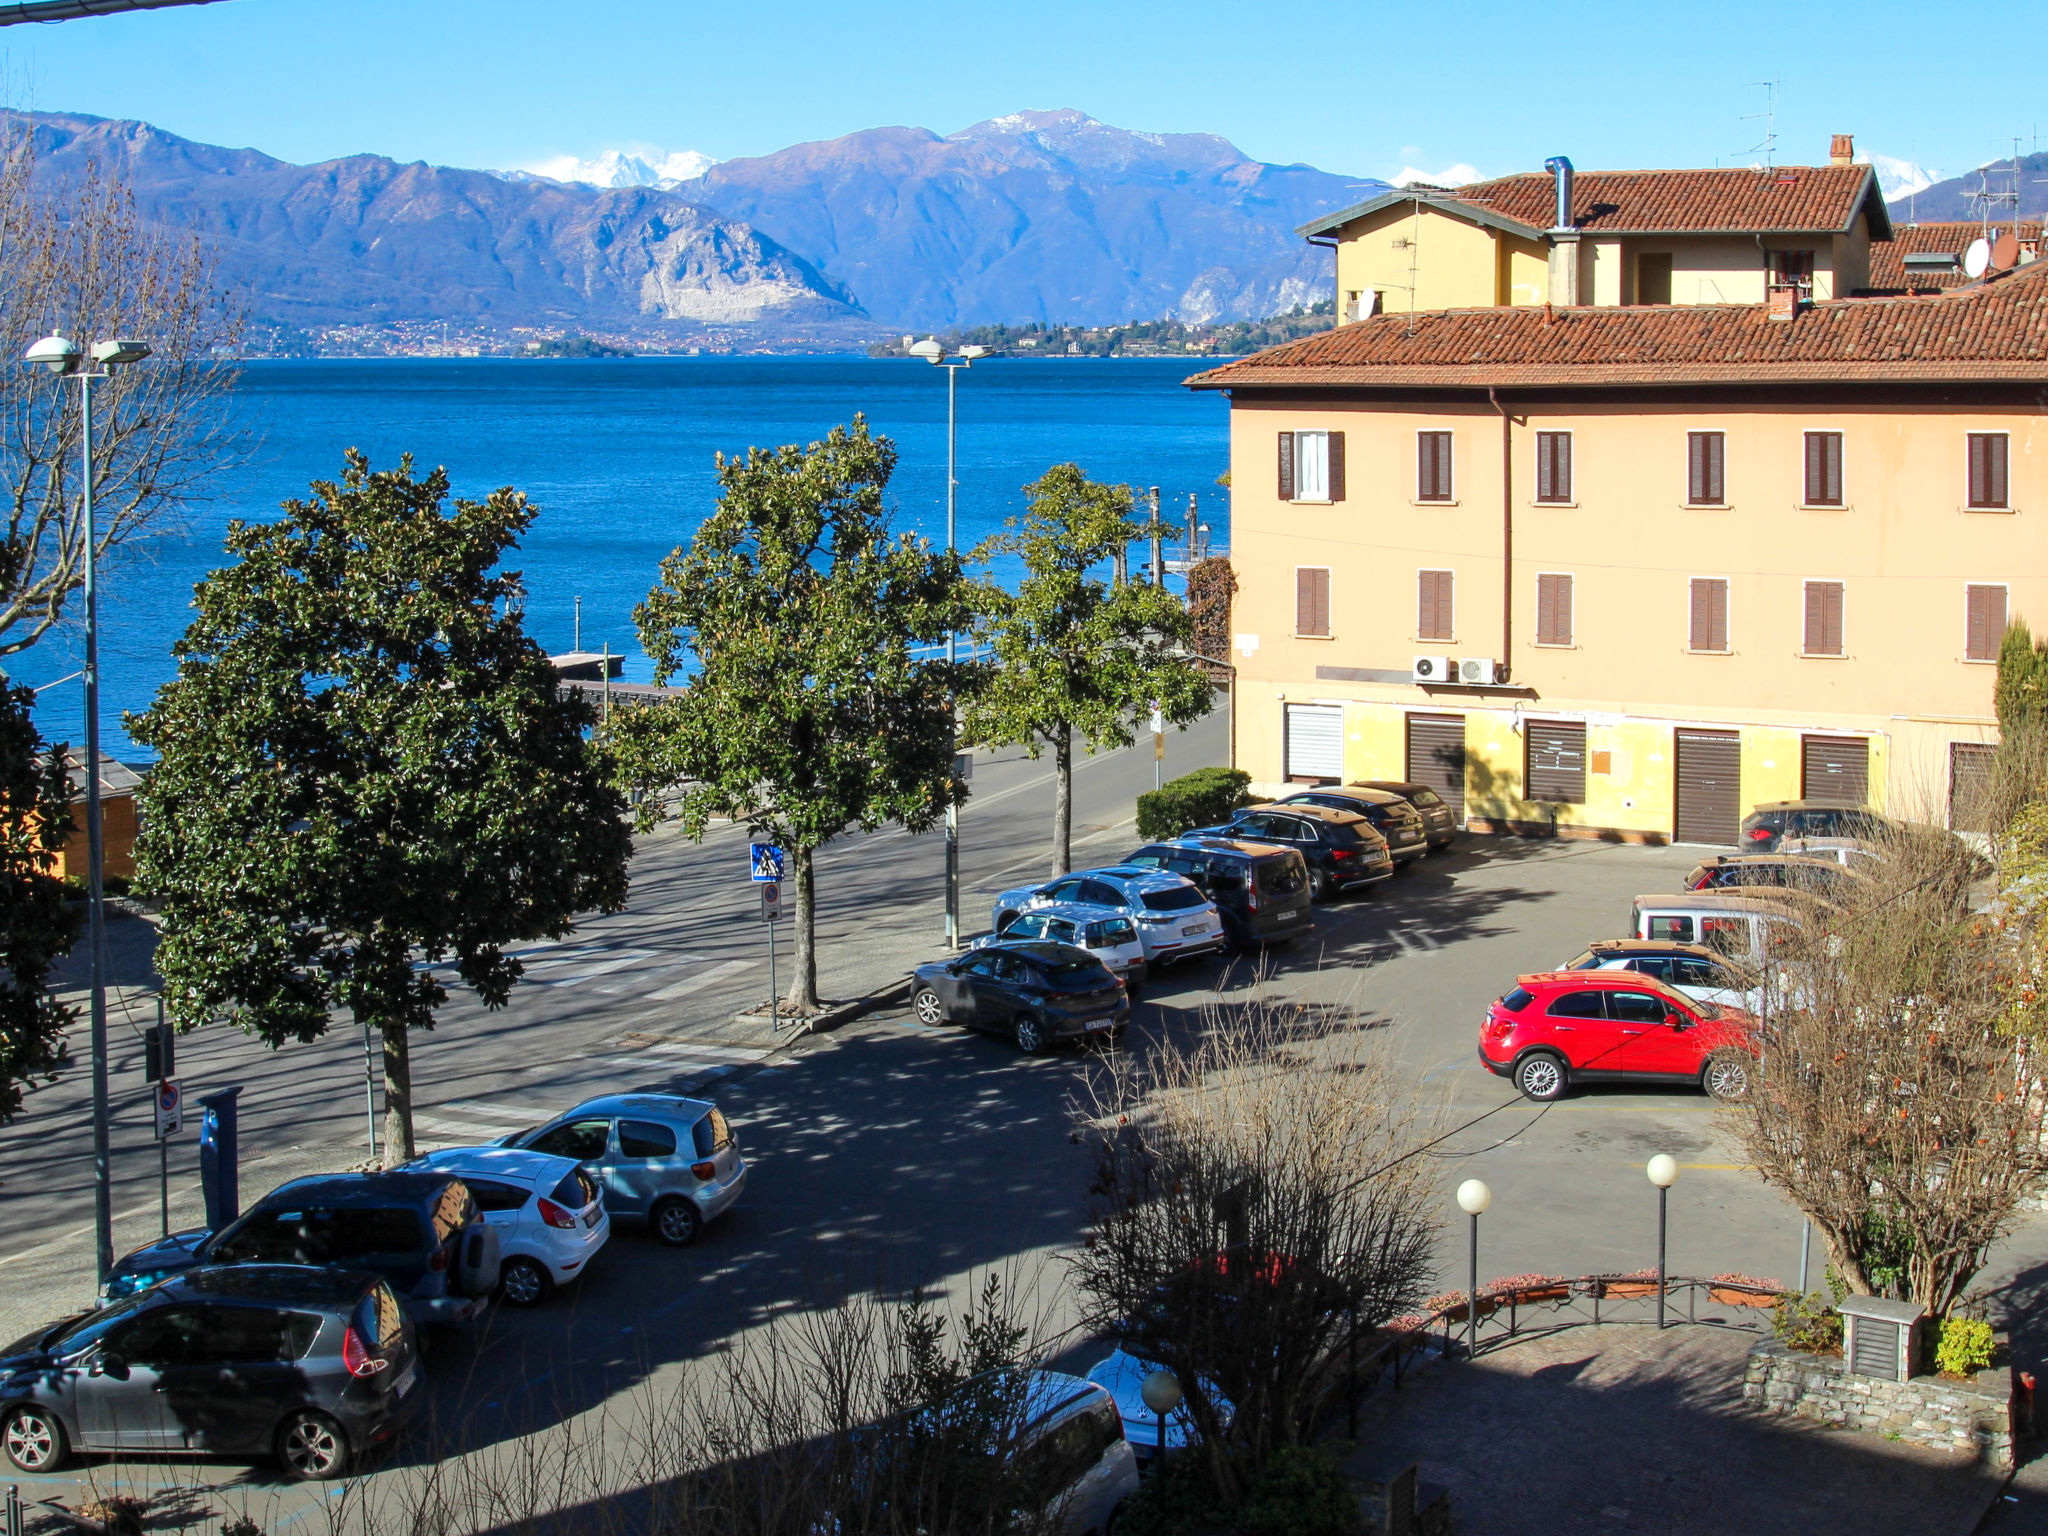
1610,237
1629,572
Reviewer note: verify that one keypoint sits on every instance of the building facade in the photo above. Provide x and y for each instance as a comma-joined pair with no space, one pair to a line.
1629,573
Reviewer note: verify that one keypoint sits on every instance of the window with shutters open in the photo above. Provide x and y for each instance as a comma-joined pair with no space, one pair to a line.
1823,469
1554,466
1311,466
1709,629
1432,466
1705,465
1984,622
1434,619
1312,600
1823,618
1556,767
1553,610
1987,471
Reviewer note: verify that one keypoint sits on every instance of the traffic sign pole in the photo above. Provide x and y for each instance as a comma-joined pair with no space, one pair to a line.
768,905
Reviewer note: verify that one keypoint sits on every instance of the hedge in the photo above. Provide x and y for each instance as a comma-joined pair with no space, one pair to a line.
1198,799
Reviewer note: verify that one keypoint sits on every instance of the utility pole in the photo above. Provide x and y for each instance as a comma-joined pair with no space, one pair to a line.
1158,563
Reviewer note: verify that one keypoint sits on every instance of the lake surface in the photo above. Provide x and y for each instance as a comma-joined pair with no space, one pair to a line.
618,453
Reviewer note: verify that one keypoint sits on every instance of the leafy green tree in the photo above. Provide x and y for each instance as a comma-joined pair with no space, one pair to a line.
1072,655
806,713
2020,695
36,925
366,770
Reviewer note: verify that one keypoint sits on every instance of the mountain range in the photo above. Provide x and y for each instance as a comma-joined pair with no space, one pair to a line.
1945,201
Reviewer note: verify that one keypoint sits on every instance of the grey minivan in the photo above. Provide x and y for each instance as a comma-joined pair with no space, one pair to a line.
671,1162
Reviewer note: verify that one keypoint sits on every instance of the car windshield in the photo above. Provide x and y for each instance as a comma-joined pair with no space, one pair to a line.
1584,962
1180,899
1427,797
1280,877
1077,975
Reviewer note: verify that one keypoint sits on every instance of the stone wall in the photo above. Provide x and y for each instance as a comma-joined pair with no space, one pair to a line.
1973,1416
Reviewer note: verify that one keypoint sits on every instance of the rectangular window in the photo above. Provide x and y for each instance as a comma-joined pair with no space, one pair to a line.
1709,630
1434,619
1823,618
1823,469
1553,610
1432,466
1987,470
1311,600
1311,466
1792,269
1557,760
1984,623
1553,466
1706,455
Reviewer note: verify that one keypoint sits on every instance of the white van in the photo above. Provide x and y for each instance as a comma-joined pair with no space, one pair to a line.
1746,925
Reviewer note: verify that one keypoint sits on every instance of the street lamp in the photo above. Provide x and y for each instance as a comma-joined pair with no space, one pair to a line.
934,352
1473,1199
1162,1395
1663,1172
61,356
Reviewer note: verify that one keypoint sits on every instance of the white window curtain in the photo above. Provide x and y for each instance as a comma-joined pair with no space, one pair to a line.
1311,466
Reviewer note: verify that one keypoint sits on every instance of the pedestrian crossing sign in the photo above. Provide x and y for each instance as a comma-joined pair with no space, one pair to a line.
766,862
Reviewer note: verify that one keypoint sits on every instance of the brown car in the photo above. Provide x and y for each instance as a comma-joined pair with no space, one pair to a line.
1787,871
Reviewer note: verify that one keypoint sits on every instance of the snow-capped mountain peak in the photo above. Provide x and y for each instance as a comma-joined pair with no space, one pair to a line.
1460,175
1900,178
639,166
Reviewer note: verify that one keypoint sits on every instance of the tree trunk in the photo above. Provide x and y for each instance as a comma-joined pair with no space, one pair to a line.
803,979
398,1147
1063,800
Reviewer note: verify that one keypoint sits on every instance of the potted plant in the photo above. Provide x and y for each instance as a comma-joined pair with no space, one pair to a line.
1745,1291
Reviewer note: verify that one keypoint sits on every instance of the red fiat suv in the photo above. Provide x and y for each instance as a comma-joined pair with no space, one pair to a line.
1557,1028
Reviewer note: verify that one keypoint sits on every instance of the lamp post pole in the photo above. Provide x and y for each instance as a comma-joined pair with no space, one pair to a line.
1663,1172
1473,1199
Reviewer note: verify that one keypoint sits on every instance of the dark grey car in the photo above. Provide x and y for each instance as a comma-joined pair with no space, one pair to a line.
316,1367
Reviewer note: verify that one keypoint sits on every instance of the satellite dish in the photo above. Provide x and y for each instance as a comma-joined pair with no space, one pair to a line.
1977,257
2005,252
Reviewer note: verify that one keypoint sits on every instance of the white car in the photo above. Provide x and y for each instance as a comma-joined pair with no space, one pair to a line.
548,1213
1109,938
1175,921
1693,969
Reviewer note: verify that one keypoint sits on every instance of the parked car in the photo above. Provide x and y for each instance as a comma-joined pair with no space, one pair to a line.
1769,824
1174,920
316,1367
1343,849
1112,940
1825,878
421,1231
1751,925
1849,852
548,1213
1439,821
1038,993
661,1159
1557,1028
1406,834
1694,969
1260,890
1122,1375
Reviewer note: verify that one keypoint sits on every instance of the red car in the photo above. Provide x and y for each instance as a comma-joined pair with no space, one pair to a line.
1557,1028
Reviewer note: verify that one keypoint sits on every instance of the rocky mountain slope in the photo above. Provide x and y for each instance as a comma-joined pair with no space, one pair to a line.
1949,200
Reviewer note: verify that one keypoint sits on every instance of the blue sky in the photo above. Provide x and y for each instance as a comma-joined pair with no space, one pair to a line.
1358,89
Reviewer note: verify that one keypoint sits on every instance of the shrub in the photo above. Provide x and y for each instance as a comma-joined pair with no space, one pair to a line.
1193,800
1300,1492
1965,1346
1807,1320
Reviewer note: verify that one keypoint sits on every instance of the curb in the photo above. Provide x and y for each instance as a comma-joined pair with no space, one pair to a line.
833,1015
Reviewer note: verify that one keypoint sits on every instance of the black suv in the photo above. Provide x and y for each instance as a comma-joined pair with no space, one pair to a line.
421,1231
1037,993
1439,821
1392,817
1343,849
1259,890
1771,823
313,1366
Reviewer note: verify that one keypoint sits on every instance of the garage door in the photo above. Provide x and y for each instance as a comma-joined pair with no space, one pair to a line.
1836,770
1315,742
1436,757
1709,787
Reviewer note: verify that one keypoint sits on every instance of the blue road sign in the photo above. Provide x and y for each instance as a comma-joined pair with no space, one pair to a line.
765,859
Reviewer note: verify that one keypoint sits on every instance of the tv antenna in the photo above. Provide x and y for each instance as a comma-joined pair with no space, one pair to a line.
1996,203
1767,146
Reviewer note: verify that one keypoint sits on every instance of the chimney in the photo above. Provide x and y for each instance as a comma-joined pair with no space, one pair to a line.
1564,238
1843,150
1561,168
1782,302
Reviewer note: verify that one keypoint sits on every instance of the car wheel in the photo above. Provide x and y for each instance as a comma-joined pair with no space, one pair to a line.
312,1446
35,1439
927,1007
1030,1034
677,1223
1541,1077
1727,1076
1318,885
523,1283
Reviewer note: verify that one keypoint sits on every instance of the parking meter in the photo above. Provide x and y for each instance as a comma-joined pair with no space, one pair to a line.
219,1158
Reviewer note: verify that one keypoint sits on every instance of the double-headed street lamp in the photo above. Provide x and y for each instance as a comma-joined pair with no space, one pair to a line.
934,352
61,355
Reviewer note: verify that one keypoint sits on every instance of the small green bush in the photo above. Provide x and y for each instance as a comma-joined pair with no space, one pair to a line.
1807,1320
1965,1346
1198,799
1300,1492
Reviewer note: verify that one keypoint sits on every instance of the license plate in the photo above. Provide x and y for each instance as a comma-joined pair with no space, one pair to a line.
1189,933
406,1378
1098,1024
590,1217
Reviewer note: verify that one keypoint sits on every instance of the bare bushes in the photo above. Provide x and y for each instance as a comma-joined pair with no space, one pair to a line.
1254,1207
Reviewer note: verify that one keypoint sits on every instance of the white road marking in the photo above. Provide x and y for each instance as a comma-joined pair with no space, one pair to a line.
459,1133
735,1054
698,979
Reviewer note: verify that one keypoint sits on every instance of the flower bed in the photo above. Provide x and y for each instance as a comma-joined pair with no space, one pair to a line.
1745,1291
1636,1282
1523,1290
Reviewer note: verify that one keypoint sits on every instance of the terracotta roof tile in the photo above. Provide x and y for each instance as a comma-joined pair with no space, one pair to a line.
1993,330
1888,270
1798,198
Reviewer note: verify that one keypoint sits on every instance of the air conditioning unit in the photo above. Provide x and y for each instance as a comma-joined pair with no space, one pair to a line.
1433,669
1480,671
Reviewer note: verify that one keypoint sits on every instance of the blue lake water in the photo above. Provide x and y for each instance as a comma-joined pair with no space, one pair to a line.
618,455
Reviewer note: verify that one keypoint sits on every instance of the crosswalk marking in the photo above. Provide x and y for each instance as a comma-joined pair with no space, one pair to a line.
463,1121
698,979
737,1054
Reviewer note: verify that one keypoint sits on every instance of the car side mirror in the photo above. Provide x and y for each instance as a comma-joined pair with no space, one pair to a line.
110,1365
1677,1020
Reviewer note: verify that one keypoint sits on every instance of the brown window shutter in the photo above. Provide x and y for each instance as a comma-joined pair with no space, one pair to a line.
1553,610
1433,616
1336,466
1304,601
1446,616
1824,618
1987,469
1824,469
1433,466
1553,466
1322,594
1709,614
1834,618
1985,629
1704,461
1816,611
1287,466
1696,474
1563,477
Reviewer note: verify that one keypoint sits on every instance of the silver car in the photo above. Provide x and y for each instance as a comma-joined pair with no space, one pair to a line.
1175,921
671,1162
1111,939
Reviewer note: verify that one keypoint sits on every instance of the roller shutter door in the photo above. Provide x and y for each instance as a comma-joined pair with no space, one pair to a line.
1969,786
1315,742
1835,770
1436,757
1709,787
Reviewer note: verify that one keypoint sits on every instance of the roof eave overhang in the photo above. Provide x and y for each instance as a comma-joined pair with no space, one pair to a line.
1334,381
1457,207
